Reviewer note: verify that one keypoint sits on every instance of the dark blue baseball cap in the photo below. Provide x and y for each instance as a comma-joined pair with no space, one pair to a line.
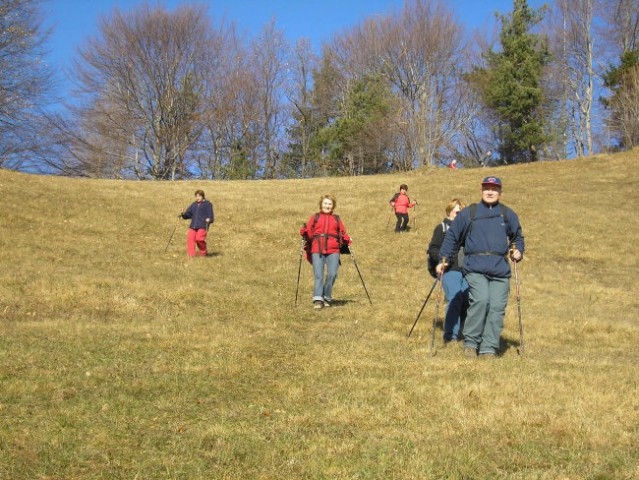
491,181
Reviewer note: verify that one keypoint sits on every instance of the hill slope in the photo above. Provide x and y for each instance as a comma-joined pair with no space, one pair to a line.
121,360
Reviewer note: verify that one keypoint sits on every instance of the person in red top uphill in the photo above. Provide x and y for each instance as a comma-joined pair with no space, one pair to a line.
325,232
201,214
400,204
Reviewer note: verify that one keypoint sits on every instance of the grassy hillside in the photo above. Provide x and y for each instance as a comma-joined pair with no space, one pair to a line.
121,360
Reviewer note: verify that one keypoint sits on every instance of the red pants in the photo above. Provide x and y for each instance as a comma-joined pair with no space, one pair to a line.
196,237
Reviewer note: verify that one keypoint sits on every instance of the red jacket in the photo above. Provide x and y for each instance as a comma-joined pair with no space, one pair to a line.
324,234
402,203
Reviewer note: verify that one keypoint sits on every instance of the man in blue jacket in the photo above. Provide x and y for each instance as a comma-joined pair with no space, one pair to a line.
488,231
201,214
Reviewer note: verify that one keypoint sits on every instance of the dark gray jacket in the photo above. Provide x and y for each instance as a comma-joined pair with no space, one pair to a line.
486,239
198,213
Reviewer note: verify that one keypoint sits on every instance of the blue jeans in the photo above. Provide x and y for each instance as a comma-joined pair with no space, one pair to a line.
456,293
323,289
485,320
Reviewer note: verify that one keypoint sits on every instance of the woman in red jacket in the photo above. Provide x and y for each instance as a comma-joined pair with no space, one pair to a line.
325,233
401,203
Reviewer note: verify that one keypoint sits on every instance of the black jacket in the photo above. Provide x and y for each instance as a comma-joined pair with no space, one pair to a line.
436,243
198,213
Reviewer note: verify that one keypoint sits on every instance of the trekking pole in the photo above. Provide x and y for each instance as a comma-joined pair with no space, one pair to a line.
522,348
390,214
423,305
299,269
439,296
299,272
172,233
415,216
359,273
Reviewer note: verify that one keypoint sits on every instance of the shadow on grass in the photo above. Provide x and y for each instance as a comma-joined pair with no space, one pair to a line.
334,303
506,344
340,303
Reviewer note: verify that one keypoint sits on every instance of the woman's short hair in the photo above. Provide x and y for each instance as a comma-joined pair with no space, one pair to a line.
453,203
403,186
200,192
330,197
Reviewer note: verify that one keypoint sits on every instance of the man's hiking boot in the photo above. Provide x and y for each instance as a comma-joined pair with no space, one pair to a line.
327,303
318,304
470,352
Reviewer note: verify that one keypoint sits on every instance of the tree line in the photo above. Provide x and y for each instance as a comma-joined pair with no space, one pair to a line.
176,94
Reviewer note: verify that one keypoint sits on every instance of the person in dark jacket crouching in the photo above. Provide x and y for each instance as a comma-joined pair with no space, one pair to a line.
324,234
488,231
201,214
453,281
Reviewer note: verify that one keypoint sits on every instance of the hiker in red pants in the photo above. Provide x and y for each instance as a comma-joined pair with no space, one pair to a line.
201,214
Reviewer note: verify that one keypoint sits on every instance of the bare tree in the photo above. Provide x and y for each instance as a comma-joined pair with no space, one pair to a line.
143,84
425,60
421,53
574,74
24,82
269,64
299,95
477,140
232,137
621,24
231,112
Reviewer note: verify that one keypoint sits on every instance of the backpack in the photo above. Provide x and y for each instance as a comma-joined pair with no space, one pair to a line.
308,246
433,262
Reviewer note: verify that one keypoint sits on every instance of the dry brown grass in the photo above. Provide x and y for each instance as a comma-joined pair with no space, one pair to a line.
120,361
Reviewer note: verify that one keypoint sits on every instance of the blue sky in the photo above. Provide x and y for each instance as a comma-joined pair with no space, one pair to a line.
76,20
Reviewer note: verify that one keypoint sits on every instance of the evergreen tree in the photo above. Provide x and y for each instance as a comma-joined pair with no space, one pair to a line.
613,78
355,143
306,155
623,82
510,84
240,166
